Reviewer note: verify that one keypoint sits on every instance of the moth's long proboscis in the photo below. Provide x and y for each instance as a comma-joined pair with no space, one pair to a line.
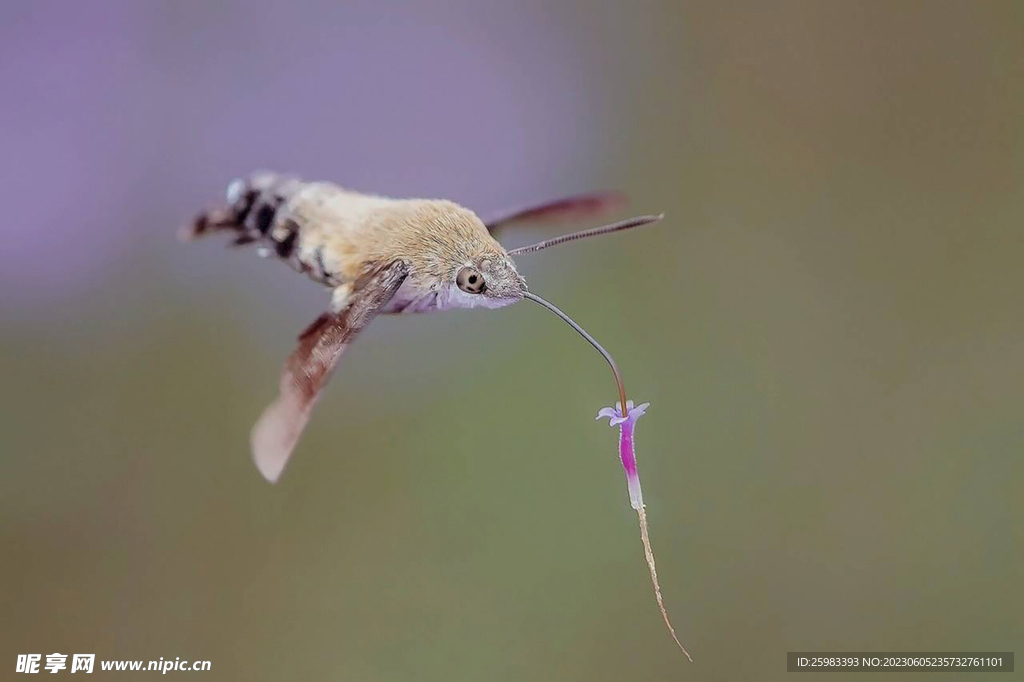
590,339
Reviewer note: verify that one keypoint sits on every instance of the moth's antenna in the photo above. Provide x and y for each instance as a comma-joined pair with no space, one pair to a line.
592,232
593,342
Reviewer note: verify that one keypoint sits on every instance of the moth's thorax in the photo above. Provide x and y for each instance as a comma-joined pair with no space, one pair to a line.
353,228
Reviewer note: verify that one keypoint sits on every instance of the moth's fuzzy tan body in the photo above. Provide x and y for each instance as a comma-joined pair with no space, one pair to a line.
348,230
336,235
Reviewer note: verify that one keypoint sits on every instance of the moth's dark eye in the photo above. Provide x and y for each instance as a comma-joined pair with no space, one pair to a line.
470,280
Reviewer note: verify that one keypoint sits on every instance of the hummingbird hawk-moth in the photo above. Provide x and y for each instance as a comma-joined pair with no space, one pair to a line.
378,256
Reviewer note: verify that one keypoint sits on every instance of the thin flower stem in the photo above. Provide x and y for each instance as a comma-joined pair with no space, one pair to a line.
649,555
593,342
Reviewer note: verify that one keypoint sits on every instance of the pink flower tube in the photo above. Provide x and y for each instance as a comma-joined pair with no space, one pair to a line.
627,452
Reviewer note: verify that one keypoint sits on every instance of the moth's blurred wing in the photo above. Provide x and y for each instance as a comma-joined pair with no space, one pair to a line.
575,207
310,366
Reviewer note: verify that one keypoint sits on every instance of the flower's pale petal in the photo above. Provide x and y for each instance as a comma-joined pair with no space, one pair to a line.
614,413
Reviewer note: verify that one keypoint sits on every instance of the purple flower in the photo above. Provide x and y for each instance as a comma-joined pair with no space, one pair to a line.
627,454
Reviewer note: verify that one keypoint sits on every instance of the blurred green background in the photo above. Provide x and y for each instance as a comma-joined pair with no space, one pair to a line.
828,325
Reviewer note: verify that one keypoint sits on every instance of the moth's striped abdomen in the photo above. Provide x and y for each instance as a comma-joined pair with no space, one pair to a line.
258,213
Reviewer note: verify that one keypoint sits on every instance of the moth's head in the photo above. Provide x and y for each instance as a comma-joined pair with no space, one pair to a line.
460,261
488,279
